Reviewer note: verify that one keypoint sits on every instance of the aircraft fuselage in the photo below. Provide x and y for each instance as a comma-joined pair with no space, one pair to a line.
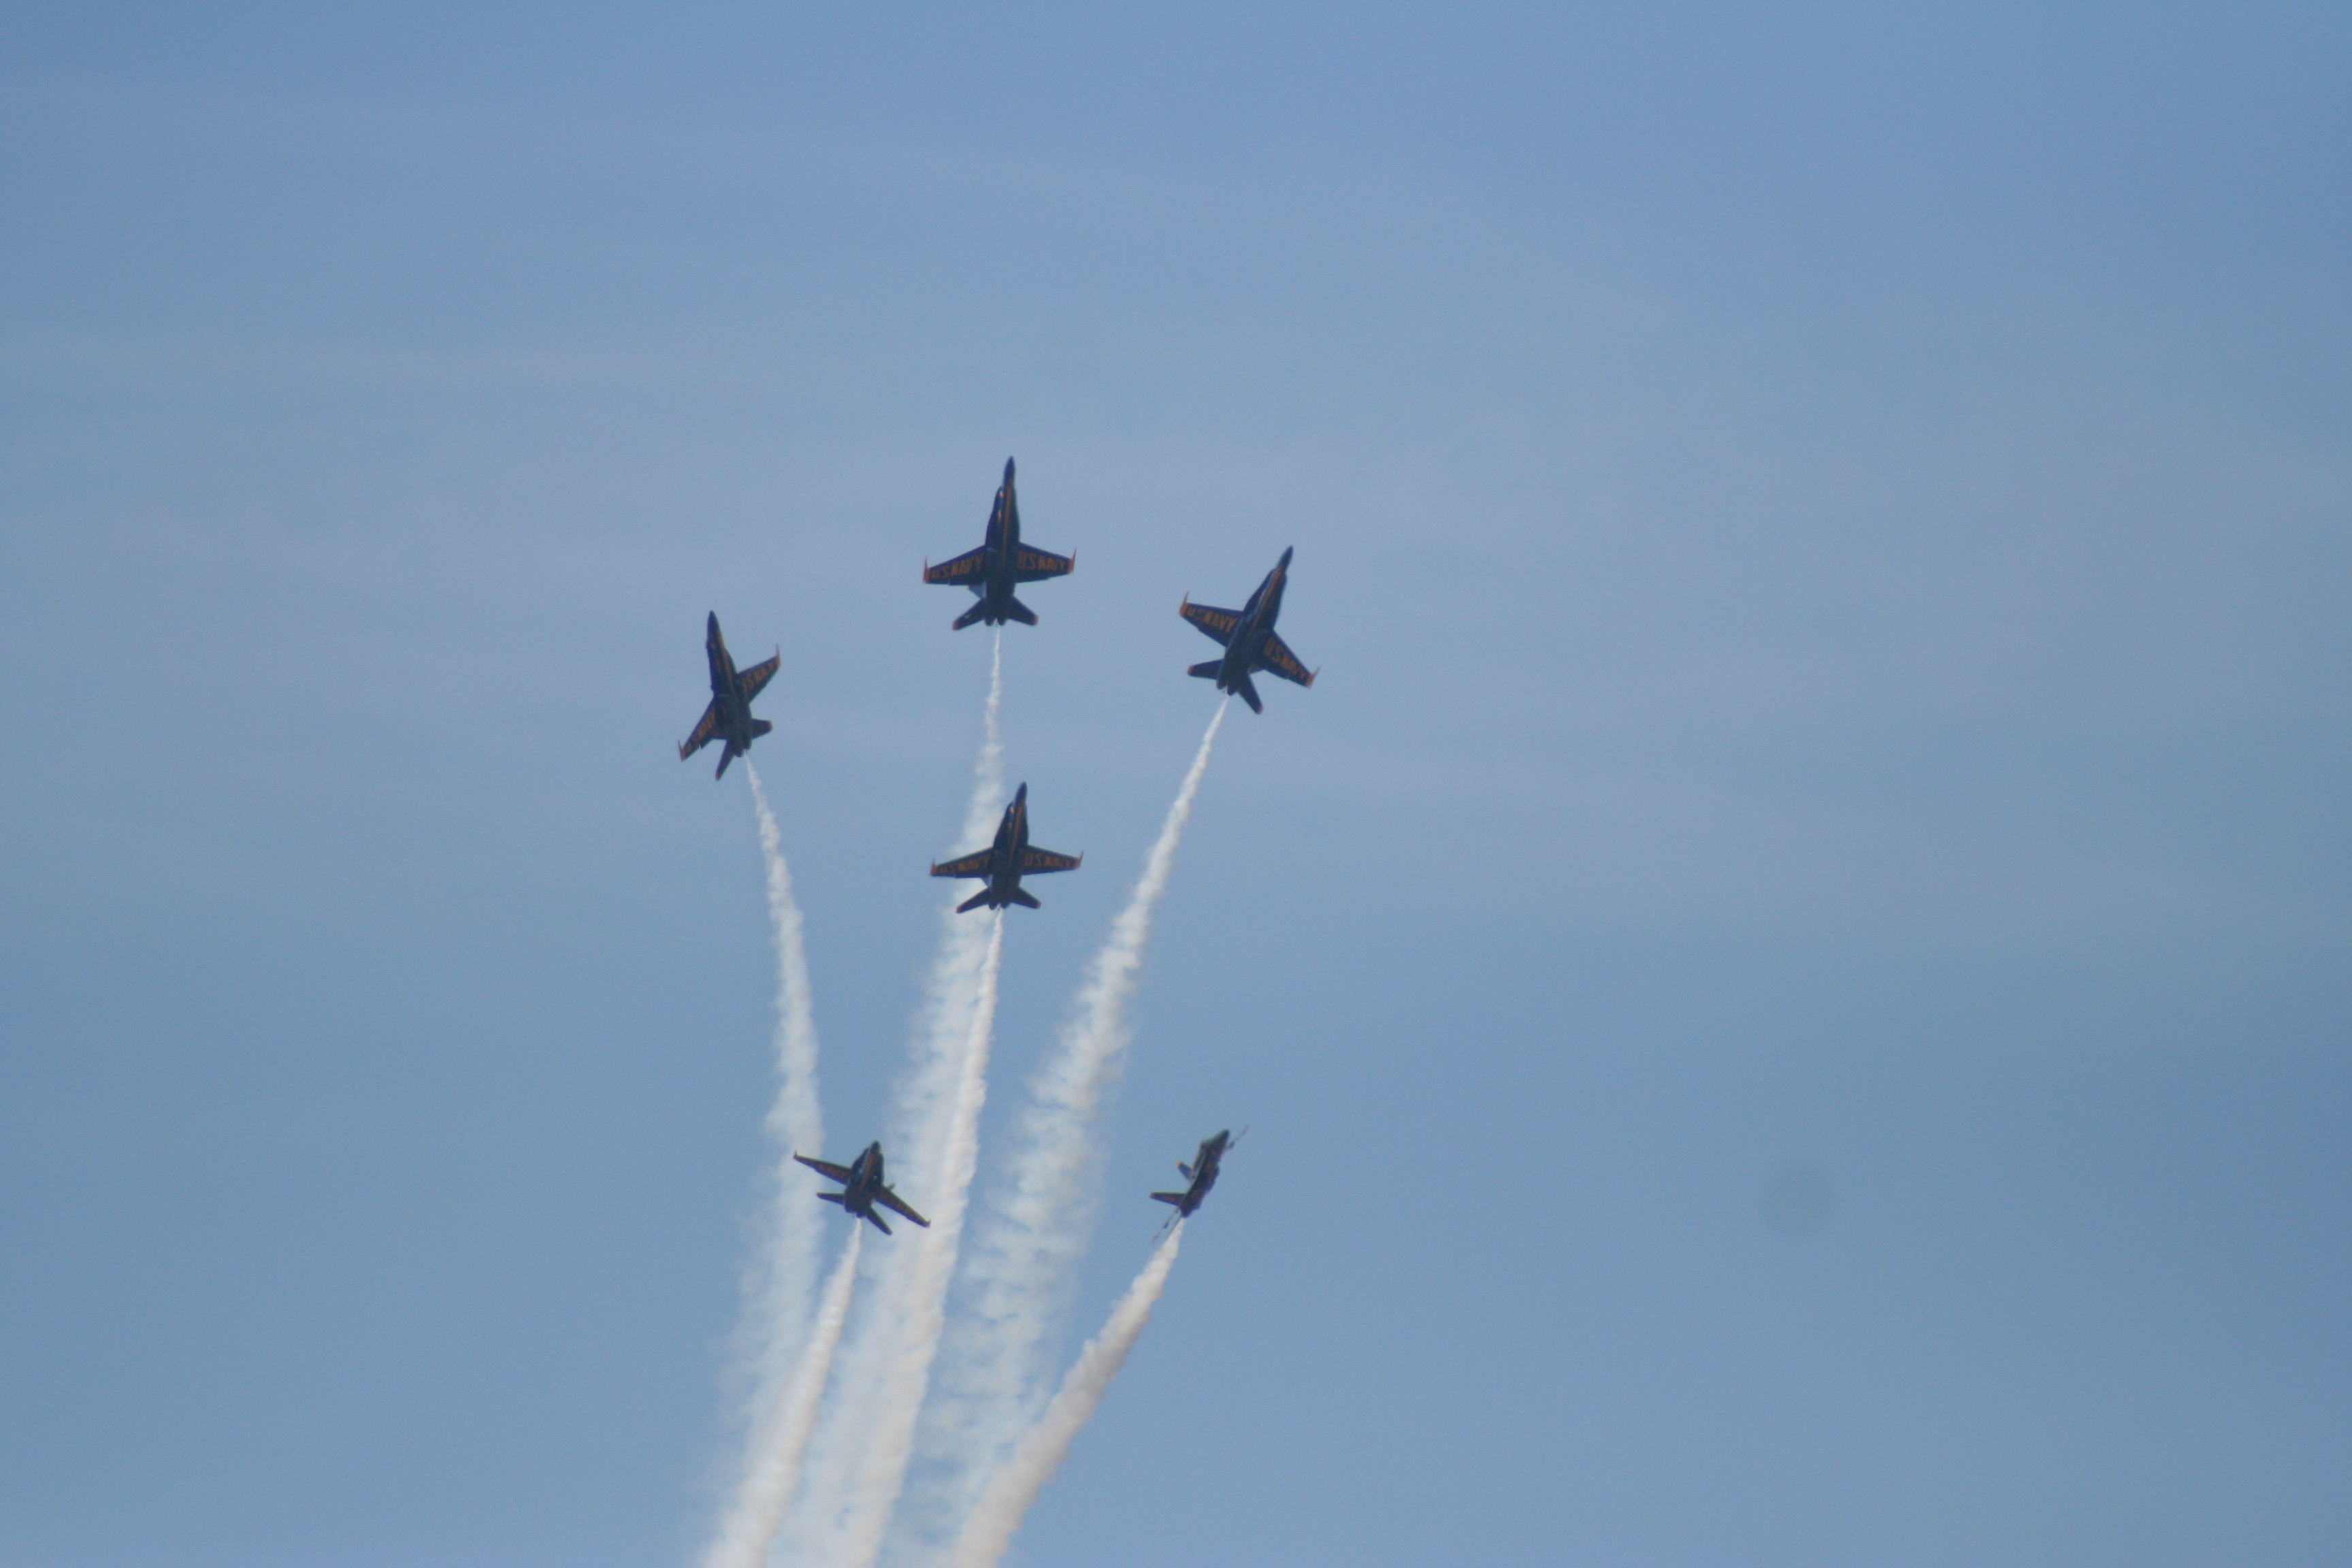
1242,654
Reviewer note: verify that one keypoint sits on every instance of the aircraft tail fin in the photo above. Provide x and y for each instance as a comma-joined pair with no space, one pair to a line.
973,902
1015,610
1026,898
1184,1169
1207,669
1176,1198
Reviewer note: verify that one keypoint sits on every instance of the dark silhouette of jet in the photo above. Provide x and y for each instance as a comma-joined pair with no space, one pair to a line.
1006,861
862,1181
992,570
1202,1173
1250,641
728,717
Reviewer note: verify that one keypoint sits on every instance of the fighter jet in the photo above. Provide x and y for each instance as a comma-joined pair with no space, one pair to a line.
1250,641
1006,861
1202,1173
862,1178
728,717
993,569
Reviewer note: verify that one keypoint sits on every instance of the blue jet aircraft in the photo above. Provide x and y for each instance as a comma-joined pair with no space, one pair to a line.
1201,1174
728,717
862,1181
1006,861
1002,561
1249,637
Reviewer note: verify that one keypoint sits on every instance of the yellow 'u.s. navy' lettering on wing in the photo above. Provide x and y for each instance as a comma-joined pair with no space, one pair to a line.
702,732
755,679
975,865
963,568
1219,624
1277,658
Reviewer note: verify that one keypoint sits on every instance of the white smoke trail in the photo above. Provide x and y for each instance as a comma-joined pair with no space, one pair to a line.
777,1285
1043,1446
778,1462
1027,1247
922,1305
846,1471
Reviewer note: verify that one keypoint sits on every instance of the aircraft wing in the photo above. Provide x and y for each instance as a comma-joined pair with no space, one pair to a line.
825,1168
1219,624
703,733
898,1204
1277,657
972,865
1033,860
755,679
1036,565
967,568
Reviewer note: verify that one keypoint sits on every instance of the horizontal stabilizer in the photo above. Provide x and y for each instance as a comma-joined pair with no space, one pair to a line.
1026,899
877,1222
828,1197
1013,609
974,901
1208,671
969,616
1247,690
760,727
1176,1198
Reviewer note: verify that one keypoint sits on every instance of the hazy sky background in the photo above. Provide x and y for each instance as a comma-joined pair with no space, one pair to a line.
1793,980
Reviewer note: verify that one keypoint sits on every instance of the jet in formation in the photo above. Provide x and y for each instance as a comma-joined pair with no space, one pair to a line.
861,1180
1249,637
999,564
728,717
1006,861
1201,1174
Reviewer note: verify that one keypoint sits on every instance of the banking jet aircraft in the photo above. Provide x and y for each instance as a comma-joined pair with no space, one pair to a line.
1002,560
1201,1174
728,717
1250,641
1006,861
862,1179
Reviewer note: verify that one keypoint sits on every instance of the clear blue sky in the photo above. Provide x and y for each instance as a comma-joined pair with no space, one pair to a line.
1792,979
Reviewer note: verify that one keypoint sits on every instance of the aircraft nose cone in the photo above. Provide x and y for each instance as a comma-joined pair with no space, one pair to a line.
1008,470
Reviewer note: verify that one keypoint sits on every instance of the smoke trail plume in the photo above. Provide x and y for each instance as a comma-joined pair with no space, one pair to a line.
922,1302
1027,1247
1042,1448
777,1284
854,1482
776,1465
